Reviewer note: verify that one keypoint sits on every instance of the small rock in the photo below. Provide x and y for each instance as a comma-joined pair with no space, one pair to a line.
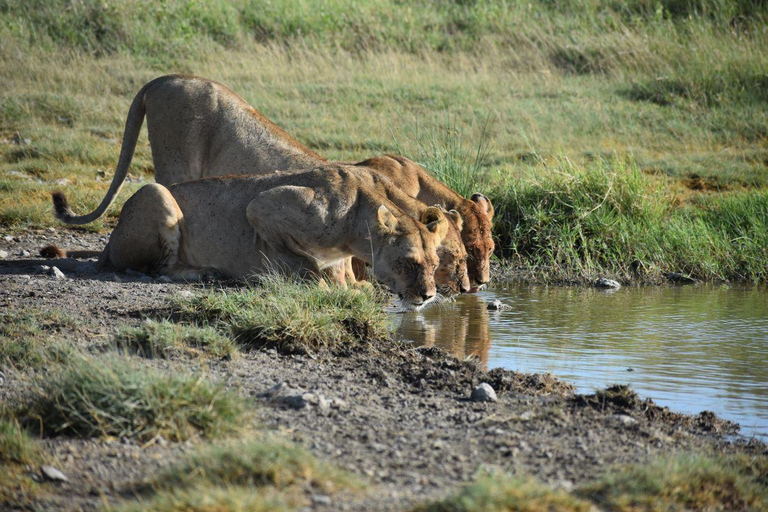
42,269
51,230
321,499
63,182
3,255
24,277
483,393
55,273
25,254
497,305
623,419
52,474
2,378
607,283
8,238
186,294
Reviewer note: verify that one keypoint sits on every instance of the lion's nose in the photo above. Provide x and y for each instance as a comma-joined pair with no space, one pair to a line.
427,296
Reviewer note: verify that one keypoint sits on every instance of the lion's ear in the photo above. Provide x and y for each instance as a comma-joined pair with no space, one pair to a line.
485,205
435,221
456,218
387,221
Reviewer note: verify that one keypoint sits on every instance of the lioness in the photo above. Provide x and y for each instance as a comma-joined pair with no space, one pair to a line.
200,128
300,223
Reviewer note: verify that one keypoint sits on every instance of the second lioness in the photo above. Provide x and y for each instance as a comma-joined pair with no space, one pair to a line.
200,128
302,223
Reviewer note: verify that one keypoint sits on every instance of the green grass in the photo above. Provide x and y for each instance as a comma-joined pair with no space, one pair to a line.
497,491
673,483
255,462
31,339
259,472
208,499
579,222
165,339
16,446
117,397
291,315
684,483
511,99
17,451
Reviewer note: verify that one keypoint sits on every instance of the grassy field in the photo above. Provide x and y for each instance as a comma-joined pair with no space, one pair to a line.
621,138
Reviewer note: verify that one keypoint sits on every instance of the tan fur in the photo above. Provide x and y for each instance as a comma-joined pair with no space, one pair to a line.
199,128
299,223
476,212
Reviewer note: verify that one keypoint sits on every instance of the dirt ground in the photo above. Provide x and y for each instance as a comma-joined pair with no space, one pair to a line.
397,415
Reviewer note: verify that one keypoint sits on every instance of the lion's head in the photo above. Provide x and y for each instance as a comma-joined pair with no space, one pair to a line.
405,257
451,275
478,240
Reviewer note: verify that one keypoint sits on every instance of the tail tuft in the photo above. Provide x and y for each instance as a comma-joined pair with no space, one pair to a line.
51,251
61,207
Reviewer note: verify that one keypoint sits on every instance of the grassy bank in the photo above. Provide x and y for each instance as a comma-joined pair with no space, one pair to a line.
520,100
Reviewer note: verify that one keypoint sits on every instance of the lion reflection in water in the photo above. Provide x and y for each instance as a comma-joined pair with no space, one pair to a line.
460,328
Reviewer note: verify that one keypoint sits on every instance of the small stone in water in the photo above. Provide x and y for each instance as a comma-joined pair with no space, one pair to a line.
607,283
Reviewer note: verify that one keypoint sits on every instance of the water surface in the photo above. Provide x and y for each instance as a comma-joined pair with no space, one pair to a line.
691,348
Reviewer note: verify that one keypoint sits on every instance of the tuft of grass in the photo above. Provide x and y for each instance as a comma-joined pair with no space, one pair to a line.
207,499
17,451
91,397
164,339
259,472
291,315
29,339
254,462
688,482
498,491
16,446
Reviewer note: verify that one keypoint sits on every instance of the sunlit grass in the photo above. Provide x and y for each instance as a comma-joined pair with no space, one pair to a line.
118,397
292,315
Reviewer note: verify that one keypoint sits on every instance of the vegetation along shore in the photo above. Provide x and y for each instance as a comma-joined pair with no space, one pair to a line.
625,140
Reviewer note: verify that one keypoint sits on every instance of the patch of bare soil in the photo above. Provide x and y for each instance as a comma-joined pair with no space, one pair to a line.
397,415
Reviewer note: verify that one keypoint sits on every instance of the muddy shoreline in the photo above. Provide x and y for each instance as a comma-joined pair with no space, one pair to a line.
395,415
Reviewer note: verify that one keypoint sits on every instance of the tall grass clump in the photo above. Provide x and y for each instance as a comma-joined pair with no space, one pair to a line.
291,315
498,491
572,223
92,397
165,339
686,482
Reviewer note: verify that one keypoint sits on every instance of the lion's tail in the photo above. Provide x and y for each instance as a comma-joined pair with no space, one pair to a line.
130,137
53,251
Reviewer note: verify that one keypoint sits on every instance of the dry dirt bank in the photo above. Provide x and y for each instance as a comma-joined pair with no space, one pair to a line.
396,415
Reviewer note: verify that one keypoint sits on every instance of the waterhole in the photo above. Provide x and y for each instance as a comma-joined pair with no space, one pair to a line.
691,348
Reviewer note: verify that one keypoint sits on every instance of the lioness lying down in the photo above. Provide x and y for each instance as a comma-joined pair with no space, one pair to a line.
300,223
200,128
